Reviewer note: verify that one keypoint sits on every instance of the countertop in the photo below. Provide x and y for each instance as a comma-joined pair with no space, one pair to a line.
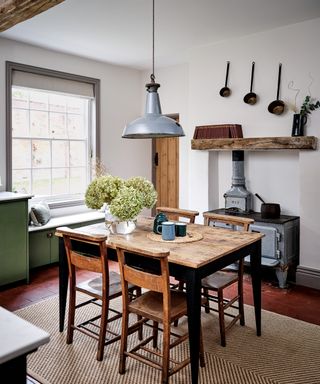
18,337
11,196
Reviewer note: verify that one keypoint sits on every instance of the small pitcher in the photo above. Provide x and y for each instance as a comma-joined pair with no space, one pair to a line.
157,224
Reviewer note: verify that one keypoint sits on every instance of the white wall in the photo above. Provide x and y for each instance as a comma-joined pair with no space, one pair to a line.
291,178
120,103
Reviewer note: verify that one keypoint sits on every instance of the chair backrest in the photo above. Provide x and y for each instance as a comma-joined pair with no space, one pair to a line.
147,269
85,251
176,212
242,222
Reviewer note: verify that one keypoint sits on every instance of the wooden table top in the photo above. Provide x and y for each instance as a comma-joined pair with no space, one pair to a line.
216,242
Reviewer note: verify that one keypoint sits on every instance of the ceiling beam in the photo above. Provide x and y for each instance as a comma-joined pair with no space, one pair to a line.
13,12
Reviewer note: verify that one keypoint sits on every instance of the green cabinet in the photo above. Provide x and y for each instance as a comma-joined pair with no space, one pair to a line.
44,245
43,248
13,238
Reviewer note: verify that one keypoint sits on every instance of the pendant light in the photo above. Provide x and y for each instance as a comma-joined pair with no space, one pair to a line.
153,124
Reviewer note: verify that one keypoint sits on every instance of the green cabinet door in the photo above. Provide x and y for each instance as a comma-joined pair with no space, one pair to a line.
43,248
13,241
39,248
44,245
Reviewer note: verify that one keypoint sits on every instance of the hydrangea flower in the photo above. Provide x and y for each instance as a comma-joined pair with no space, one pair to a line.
149,194
124,198
127,205
102,190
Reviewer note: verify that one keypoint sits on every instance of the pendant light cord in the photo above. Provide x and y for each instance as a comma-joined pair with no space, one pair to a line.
152,74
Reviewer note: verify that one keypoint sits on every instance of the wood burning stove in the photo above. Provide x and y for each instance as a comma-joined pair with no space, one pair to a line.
280,245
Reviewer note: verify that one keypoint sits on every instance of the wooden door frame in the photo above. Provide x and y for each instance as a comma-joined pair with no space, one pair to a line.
174,116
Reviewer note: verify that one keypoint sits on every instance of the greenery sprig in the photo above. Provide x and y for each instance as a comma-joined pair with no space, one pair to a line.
309,105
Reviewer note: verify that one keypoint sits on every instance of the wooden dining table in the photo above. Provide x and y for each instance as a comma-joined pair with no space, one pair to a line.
204,251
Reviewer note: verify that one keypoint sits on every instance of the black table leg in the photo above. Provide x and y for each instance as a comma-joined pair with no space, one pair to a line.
193,287
63,283
255,262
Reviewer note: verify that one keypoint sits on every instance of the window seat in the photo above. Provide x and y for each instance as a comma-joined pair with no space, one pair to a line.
65,220
44,245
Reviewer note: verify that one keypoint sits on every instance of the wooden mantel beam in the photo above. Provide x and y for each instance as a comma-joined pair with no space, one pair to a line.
255,143
13,12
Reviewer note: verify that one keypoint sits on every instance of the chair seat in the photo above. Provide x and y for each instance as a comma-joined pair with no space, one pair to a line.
94,286
150,305
219,280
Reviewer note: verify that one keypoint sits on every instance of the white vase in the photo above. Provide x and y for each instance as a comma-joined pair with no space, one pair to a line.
114,225
123,227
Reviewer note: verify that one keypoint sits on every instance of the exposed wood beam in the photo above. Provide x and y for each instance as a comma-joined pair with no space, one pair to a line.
13,12
255,143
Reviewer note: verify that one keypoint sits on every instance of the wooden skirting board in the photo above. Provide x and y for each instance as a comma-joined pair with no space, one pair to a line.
255,143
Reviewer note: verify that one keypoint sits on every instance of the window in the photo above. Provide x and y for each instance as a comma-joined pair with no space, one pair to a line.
53,136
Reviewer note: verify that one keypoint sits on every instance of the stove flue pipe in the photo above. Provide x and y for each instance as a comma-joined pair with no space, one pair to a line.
238,197
238,168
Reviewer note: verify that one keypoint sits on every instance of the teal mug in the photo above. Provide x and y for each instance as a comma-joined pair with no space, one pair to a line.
168,230
181,229
157,223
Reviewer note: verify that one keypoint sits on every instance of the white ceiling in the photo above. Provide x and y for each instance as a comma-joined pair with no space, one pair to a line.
120,31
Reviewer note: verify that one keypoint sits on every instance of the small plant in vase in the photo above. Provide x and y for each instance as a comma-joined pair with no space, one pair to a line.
300,119
309,105
123,200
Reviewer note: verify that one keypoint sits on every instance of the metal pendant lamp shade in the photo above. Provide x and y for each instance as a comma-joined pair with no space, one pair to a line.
153,124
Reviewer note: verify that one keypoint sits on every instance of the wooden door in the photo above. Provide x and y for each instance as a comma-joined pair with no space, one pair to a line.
165,171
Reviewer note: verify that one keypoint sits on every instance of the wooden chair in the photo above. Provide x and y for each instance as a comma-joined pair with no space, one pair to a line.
159,304
173,213
220,280
177,214
101,289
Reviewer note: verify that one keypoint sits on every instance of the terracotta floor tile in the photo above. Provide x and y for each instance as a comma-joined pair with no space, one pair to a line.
298,302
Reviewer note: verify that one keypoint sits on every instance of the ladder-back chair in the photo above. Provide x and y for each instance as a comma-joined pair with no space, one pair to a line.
158,304
214,284
89,252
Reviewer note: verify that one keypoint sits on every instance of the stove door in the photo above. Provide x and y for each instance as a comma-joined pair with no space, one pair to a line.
269,245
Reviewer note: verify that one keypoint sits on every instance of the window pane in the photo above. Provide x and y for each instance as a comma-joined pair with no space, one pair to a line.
78,156
60,153
20,98
76,127
58,127
39,124
50,141
75,105
41,181
20,122
21,153
41,154
57,103
60,181
78,180
38,101
21,181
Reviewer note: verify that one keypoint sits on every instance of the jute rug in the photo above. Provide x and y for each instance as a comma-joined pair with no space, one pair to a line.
288,352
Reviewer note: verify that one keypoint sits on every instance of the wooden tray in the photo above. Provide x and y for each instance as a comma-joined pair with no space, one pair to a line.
191,236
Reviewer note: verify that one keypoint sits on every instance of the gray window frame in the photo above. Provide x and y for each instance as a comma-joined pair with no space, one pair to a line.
12,66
